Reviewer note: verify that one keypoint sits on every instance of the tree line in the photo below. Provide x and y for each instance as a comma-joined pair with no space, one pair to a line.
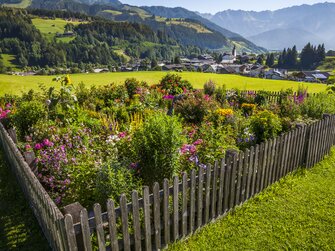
289,58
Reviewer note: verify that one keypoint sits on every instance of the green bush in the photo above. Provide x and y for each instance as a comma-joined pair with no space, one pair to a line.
209,88
156,143
132,84
195,106
173,84
28,113
221,94
315,106
114,180
265,125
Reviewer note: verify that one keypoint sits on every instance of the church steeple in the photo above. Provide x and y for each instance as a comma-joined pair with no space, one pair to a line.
234,51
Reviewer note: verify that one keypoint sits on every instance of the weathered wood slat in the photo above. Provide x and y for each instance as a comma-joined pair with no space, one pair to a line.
192,202
112,225
268,164
244,175
254,171
147,223
184,205
259,168
85,230
264,165
221,182
71,237
207,192
124,221
99,227
175,208
157,216
239,178
166,213
233,182
200,197
227,185
136,221
250,172
214,191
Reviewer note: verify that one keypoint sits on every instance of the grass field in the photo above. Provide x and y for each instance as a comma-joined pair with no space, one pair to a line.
297,213
18,227
23,4
49,27
9,61
17,84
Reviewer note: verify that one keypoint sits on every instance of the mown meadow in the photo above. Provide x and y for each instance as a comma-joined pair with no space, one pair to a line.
17,84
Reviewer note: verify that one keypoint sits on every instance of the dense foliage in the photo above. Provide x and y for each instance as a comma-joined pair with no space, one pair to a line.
93,144
94,43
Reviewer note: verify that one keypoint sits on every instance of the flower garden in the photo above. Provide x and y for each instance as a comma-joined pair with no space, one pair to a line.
91,144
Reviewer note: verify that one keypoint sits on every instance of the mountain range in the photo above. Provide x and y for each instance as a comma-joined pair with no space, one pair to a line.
282,28
186,27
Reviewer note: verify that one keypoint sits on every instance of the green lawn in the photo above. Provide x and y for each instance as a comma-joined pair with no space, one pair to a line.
17,84
49,27
18,227
297,213
328,64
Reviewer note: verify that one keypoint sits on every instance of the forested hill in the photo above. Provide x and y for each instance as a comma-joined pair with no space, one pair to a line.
28,35
188,28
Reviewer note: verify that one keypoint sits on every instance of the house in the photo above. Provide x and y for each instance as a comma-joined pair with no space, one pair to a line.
312,76
173,67
98,70
256,71
277,74
205,57
229,58
212,68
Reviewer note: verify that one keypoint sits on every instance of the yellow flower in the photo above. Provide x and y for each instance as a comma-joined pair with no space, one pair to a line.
67,80
249,106
225,112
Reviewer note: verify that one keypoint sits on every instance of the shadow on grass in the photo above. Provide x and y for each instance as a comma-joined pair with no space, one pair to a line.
19,229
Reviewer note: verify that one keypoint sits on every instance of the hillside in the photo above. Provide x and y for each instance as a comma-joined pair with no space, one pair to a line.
50,38
184,32
317,19
178,12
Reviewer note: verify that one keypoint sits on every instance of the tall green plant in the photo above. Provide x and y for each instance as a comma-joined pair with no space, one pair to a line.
156,144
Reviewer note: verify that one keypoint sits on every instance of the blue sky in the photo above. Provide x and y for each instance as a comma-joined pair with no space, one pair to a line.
213,6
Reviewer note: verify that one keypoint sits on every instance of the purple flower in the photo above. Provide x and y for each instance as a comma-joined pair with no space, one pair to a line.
47,143
198,142
122,134
168,97
133,165
58,200
38,146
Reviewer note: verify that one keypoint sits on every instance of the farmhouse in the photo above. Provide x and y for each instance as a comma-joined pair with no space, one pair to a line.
277,74
312,76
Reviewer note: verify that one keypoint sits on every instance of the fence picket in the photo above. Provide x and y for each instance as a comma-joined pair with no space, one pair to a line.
254,171
259,168
175,208
124,221
192,201
71,237
85,230
233,182
200,197
112,225
220,195
239,178
184,205
244,175
136,221
99,227
214,191
227,185
166,212
250,172
207,192
157,216
147,223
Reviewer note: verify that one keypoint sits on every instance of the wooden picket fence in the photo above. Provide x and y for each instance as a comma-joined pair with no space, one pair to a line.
176,210
170,212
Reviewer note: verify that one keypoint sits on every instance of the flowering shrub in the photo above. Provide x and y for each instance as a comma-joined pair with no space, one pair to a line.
209,88
173,84
248,109
195,106
265,125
